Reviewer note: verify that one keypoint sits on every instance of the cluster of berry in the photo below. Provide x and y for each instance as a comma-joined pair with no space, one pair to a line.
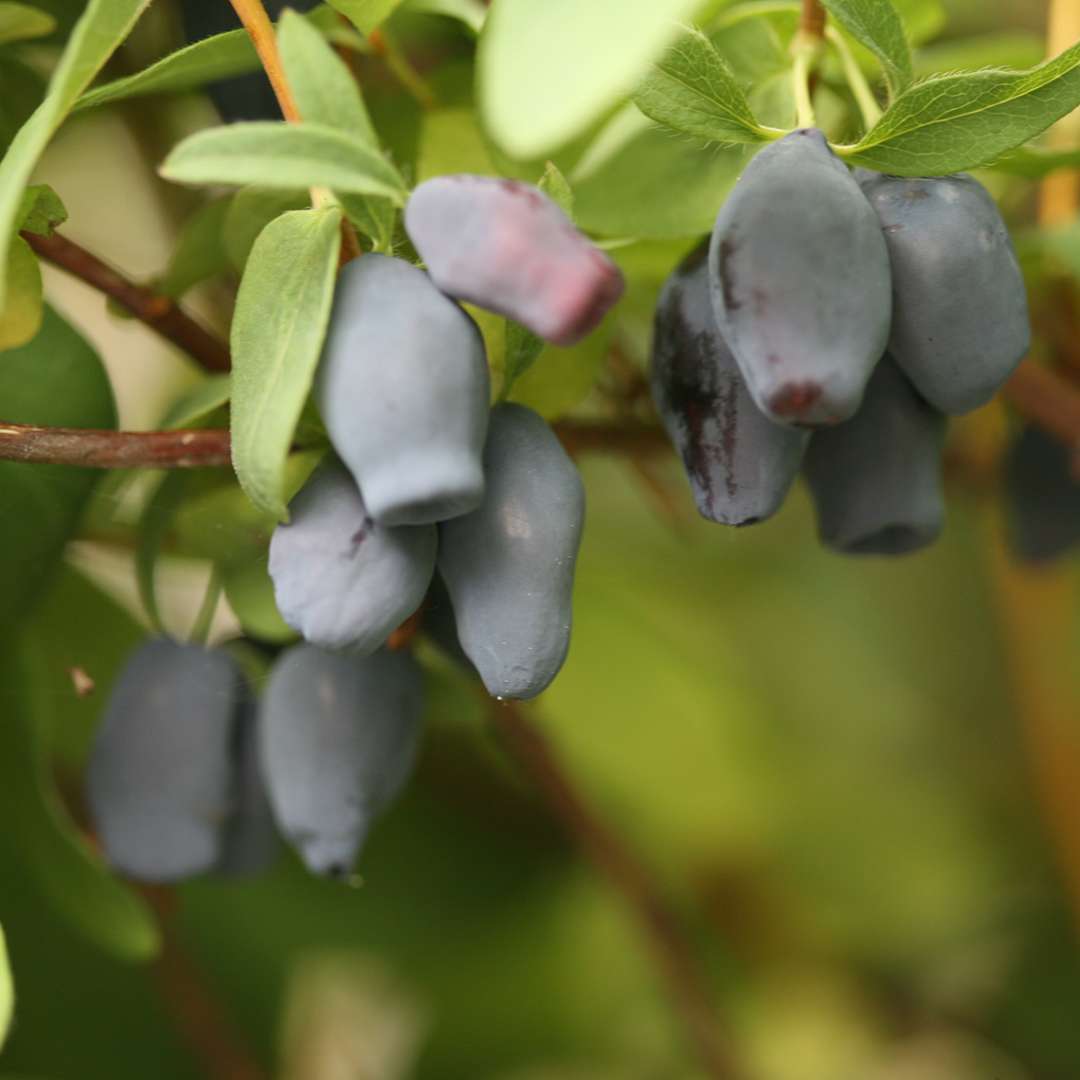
832,324
432,490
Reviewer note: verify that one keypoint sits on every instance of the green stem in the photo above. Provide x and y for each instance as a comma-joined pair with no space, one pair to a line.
402,69
800,73
200,630
864,96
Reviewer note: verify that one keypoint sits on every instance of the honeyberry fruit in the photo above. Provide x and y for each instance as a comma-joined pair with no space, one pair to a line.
403,389
160,779
341,579
876,479
739,463
338,737
960,318
509,564
505,246
799,274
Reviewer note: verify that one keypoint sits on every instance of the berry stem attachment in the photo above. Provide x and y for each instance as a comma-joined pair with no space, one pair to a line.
800,74
860,88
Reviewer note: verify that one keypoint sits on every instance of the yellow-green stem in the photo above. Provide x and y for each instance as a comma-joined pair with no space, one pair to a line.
864,96
800,73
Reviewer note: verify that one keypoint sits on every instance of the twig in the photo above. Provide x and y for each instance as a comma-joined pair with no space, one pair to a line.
1048,400
158,312
261,31
666,938
812,19
100,449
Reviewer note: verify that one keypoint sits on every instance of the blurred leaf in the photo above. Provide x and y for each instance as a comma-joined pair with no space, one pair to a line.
22,312
365,15
250,593
200,251
279,155
327,93
546,71
953,122
7,991
876,25
18,22
23,90
153,528
522,347
217,57
250,211
74,881
922,19
451,142
1009,50
195,405
654,184
281,316
54,380
1034,162
557,188
41,211
692,90
100,29
470,12
558,379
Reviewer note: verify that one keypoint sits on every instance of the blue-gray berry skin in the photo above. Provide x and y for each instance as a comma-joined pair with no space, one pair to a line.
160,776
338,737
249,841
739,463
505,246
960,318
1042,497
509,565
876,479
800,282
341,579
403,389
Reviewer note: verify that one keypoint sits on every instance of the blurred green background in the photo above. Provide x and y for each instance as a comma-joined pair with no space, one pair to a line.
852,779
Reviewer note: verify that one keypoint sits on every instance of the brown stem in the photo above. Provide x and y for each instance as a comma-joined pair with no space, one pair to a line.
1047,399
812,19
160,313
261,31
671,951
114,449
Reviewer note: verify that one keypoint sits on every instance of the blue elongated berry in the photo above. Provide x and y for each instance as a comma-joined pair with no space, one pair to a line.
876,479
739,463
960,318
403,390
800,282
341,579
505,246
338,736
509,565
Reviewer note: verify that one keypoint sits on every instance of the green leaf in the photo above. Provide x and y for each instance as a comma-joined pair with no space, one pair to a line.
692,90
563,378
41,210
953,122
327,93
366,15
7,990
1008,50
154,524
250,593
522,349
197,404
557,188
876,24
20,22
100,29
23,90
281,315
1035,162
250,211
200,250
325,90
547,70
217,57
650,184
55,380
21,313
73,880
470,12
279,155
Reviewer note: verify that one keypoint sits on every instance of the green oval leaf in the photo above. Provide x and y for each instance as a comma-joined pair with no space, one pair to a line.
876,24
953,122
102,26
21,312
21,22
365,15
273,154
278,328
547,70
692,90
